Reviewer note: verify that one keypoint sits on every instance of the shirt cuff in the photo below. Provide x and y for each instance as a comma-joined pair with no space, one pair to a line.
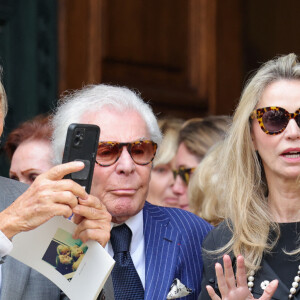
5,245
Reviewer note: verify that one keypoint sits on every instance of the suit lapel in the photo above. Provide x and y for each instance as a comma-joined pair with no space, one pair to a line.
10,287
161,252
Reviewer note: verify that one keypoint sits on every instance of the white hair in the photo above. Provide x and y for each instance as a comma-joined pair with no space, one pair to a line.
93,98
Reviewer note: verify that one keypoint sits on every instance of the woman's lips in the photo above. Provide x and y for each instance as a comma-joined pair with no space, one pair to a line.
171,200
291,154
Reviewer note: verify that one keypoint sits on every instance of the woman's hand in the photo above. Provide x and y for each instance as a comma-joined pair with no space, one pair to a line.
232,288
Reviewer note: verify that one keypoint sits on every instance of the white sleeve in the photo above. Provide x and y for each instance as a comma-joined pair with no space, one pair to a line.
5,245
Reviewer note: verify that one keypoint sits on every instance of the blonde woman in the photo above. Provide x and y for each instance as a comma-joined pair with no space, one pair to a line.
196,137
259,164
162,180
203,199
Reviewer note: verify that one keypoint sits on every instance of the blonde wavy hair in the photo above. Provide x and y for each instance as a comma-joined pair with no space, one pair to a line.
241,171
203,199
200,134
167,150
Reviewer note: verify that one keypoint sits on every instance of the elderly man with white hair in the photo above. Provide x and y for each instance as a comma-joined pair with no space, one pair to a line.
153,246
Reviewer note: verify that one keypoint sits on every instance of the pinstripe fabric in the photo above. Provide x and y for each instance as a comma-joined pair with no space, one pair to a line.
173,239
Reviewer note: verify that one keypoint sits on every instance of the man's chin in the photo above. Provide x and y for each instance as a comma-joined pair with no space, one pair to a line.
123,209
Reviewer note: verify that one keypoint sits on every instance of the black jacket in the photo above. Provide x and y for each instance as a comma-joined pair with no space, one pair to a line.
217,238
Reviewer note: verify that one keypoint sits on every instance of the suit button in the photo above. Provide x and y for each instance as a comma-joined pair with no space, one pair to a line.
211,280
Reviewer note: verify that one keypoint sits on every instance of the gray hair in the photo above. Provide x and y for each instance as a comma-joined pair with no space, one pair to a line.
93,98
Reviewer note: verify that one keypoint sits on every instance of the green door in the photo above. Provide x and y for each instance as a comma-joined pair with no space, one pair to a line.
28,55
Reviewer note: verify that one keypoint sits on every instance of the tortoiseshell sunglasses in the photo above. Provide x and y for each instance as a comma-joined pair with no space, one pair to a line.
142,152
184,173
274,120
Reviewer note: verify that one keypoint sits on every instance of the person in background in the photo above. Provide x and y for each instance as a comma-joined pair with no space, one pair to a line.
162,180
259,164
29,150
203,199
196,137
24,208
153,246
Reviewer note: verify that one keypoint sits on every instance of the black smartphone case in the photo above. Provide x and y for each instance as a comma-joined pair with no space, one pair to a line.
82,144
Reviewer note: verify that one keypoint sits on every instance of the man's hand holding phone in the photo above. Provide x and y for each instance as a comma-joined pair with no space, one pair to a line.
93,220
90,214
50,195
53,194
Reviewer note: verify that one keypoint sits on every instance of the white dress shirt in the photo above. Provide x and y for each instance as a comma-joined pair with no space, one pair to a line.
5,247
137,246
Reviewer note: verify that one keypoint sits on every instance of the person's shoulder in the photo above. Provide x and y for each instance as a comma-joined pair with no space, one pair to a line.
218,237
10,190
10,186
181,219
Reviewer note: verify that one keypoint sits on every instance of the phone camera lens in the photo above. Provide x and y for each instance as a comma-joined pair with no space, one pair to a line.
77,141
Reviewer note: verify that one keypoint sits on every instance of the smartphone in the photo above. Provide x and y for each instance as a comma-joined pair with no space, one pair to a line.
82,144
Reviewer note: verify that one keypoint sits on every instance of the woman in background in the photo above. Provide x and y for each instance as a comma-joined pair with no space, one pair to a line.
29,149
160,187
196,137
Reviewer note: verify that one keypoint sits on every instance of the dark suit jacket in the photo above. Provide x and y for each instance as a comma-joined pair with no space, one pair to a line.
218,238
107,292
173,239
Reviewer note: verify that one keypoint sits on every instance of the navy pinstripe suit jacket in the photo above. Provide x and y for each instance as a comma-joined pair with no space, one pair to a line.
173,240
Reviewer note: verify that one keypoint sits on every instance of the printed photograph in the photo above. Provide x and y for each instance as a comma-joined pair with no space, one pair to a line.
64,253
